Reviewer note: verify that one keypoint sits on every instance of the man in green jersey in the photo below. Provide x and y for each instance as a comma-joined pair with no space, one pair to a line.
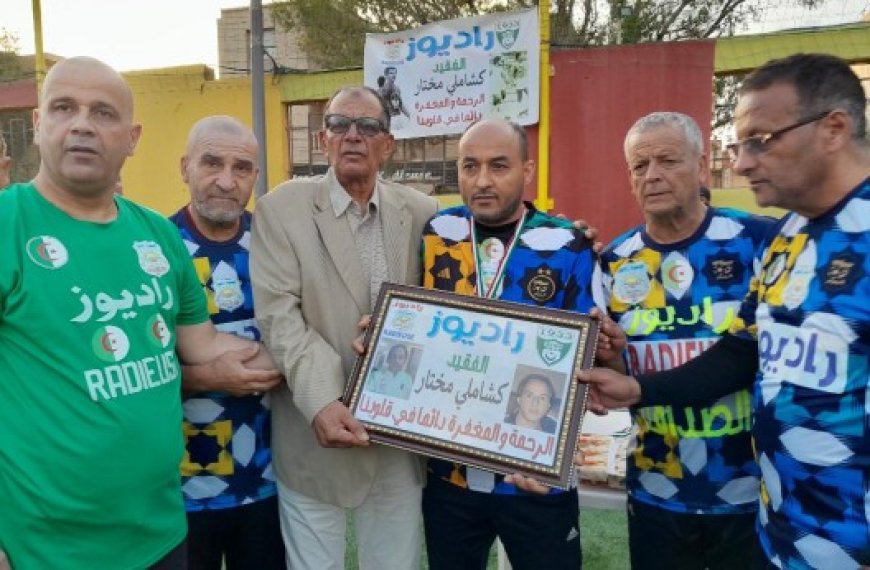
97,296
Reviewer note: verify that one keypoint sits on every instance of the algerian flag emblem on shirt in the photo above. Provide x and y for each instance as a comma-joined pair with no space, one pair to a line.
110,344
47,252
158,331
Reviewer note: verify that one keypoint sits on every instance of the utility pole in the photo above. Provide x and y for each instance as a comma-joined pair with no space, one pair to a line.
39,54
258,98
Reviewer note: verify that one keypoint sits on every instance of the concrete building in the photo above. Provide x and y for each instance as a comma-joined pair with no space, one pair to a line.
428,164
234,44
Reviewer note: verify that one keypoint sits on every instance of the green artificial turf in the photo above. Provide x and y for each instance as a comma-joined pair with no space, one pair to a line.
603,532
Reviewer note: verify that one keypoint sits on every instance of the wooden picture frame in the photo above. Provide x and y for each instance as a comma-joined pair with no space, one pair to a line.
466,379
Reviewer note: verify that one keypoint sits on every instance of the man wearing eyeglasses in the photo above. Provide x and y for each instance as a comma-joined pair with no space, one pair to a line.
320,250
674,284
803,330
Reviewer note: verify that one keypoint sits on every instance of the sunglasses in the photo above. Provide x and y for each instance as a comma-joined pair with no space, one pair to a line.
367,126
758,144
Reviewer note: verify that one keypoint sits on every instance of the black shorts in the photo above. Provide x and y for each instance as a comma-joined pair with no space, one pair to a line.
537,531
659,538
175,559
249,536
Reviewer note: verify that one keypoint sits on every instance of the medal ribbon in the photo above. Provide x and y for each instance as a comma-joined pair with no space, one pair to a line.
499,272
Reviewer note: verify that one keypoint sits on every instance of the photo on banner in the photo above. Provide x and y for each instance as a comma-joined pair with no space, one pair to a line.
440,78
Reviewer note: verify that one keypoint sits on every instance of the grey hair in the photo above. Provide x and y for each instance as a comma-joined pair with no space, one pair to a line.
686,124
223,124
822,82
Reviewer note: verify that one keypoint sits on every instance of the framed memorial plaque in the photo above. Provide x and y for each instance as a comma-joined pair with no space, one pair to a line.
481,382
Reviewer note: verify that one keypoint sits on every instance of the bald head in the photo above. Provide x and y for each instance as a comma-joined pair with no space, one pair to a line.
78,70
496,127
493,170
220,170
84,129
219,125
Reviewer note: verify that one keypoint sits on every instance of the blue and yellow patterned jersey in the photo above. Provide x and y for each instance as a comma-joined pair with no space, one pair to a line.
674,301
551,265
809,309
228,459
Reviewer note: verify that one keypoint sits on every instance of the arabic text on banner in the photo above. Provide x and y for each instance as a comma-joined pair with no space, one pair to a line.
439,78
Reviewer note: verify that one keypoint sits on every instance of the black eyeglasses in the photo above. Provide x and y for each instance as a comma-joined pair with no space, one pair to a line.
368,126
757,144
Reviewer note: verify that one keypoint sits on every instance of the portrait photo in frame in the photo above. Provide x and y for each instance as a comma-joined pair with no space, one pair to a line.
482,382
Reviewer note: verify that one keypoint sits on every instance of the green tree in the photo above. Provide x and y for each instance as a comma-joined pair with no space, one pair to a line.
10,66
333,32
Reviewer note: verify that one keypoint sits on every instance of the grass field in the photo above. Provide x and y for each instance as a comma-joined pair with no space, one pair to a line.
603,535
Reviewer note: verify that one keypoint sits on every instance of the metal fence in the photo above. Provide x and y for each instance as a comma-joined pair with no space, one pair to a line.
17,129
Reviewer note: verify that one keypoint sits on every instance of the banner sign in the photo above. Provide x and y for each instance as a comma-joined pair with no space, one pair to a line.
439,78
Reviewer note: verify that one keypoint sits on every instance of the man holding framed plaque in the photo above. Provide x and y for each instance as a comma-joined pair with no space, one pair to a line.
497,246
320,250
802,336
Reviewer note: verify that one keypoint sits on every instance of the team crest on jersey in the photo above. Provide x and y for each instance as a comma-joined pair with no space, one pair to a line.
47,252
724,270
802,274
151,258
541,287
631,283
553,344
841,273
228,294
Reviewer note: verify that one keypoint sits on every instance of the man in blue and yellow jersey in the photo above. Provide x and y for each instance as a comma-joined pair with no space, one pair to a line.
802,336
498,246
674,285
229,489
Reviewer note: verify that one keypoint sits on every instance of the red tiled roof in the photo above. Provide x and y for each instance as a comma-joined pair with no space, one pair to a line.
18,94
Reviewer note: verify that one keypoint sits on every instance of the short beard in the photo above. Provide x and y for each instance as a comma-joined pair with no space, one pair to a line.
502,216
218,217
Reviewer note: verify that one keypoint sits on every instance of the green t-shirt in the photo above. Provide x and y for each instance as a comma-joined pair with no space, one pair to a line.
90,410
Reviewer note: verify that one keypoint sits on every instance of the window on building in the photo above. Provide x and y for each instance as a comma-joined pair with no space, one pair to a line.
270,49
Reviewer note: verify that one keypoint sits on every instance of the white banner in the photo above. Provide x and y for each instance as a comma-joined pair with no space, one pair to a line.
439,78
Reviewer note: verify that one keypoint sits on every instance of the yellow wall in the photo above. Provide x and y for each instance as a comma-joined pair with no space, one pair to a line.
739,54
168,102
742,199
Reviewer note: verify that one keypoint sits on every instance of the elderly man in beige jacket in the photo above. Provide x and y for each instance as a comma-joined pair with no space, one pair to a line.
320,251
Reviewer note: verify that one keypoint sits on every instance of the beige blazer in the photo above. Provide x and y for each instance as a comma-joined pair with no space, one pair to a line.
309,294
